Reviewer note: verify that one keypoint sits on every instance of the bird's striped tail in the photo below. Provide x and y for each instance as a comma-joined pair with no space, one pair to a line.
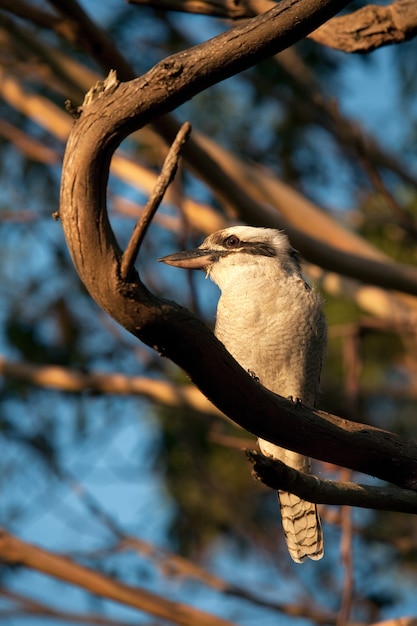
302,527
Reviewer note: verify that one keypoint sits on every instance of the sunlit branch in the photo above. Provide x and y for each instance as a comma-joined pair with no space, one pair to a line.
227,9
370,27
391,308
80,28
31,557
363,30
54,120
70,380
17,552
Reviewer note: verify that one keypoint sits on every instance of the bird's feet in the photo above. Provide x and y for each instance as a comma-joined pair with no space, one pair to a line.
296,401
254,376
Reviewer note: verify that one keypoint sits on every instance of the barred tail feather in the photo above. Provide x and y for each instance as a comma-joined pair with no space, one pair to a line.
300,519
302,527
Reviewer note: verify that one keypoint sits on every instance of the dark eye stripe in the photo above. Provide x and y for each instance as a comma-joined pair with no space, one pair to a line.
262,249
249,247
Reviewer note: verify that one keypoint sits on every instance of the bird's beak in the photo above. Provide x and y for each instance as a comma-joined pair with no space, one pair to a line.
197,259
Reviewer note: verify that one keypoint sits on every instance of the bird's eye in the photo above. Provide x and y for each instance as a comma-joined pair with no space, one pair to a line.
231,241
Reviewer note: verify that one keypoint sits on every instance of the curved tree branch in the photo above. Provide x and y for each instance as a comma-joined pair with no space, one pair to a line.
324,243
170,329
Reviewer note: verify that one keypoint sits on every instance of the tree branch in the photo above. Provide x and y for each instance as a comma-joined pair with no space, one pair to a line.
75,381
279,476
17,552
166,176
171,330
254,195
370,27
364,30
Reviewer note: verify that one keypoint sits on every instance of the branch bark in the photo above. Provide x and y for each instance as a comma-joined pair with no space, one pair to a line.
364,30
279,476
171,330
370,27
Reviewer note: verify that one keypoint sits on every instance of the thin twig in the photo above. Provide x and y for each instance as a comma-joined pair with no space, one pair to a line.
166,176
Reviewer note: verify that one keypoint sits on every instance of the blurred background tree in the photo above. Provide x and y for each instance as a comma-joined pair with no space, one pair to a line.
108,455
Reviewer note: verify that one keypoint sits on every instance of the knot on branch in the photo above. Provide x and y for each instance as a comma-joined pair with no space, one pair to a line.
171,67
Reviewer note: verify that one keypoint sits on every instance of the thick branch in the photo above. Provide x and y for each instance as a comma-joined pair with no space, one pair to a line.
363,30
171,330
370,27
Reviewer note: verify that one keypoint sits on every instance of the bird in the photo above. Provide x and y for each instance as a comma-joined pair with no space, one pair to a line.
272,322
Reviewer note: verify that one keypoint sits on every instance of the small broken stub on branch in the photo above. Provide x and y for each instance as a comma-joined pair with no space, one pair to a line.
109,84
265,469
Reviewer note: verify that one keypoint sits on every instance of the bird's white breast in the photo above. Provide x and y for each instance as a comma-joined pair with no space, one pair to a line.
276,329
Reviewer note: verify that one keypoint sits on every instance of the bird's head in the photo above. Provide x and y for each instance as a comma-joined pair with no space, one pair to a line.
229,254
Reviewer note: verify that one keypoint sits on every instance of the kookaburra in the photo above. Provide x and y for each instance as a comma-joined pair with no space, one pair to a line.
272,322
